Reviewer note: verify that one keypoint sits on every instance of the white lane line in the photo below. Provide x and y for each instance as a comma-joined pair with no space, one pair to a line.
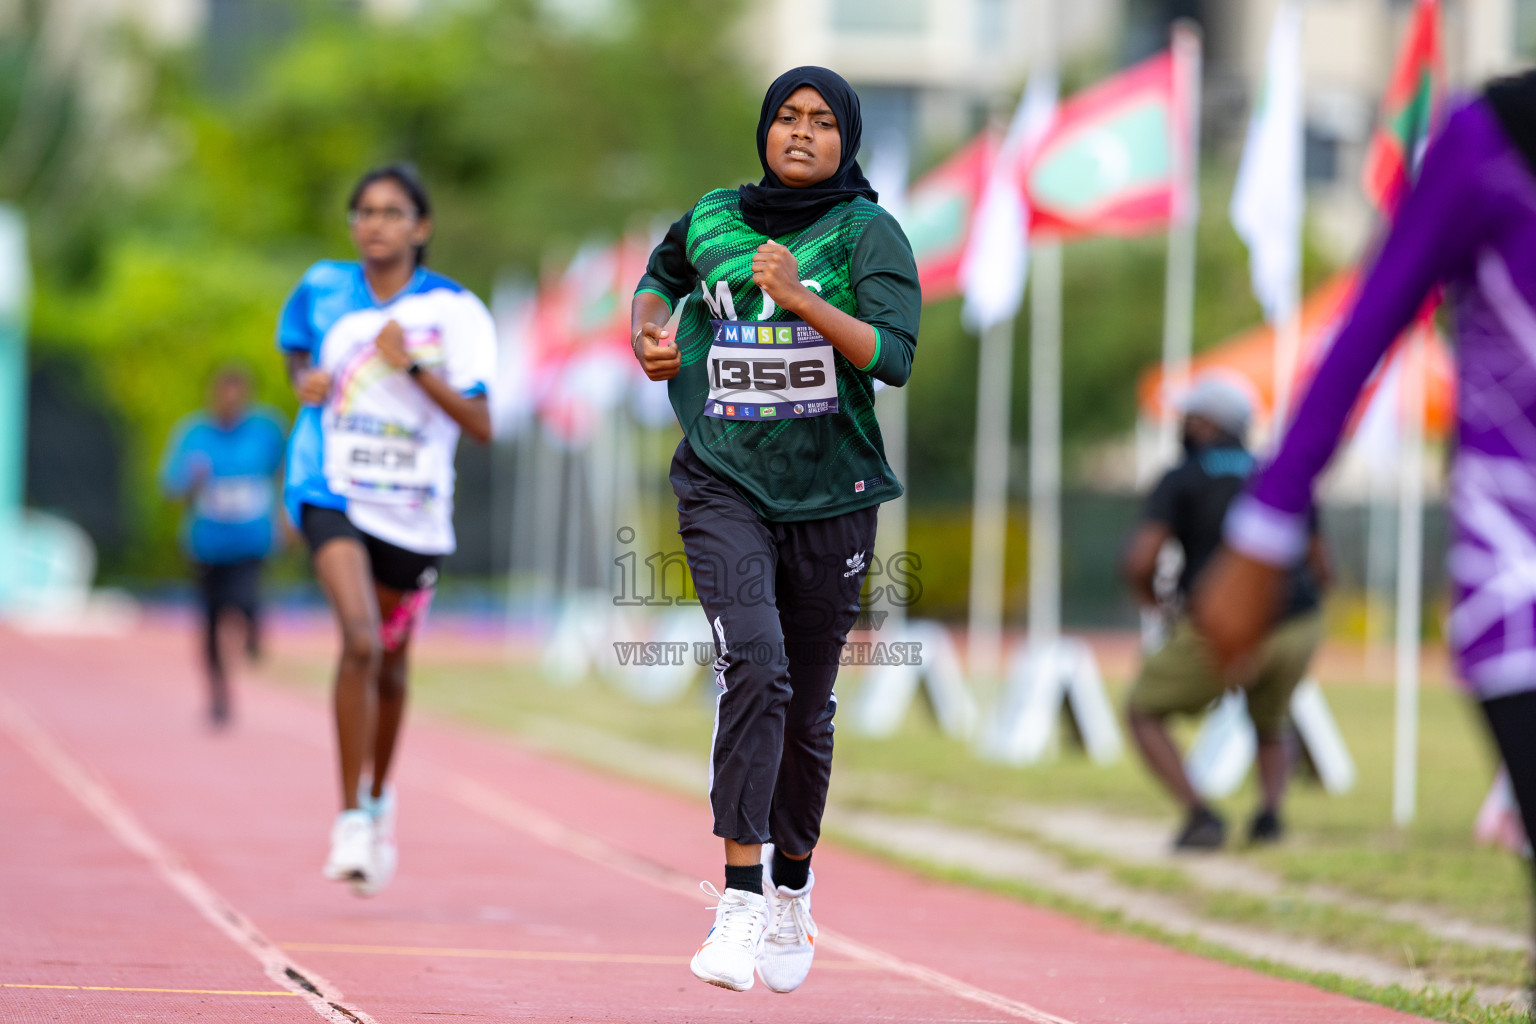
323,997
498,806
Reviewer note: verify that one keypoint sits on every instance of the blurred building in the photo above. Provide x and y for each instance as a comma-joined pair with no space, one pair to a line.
931,70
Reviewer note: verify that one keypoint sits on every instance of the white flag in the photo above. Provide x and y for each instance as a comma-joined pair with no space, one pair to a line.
996,258
1269,198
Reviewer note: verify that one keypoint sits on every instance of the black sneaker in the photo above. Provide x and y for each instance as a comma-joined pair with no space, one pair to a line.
1204,830
1265,828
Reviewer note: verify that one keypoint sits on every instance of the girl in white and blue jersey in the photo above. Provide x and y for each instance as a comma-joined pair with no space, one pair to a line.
390,362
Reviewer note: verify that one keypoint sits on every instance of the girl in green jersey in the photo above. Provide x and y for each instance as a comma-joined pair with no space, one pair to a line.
797,294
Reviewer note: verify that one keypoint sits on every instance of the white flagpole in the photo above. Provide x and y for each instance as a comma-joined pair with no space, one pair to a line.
1179,300
1287,347
888,172
989,511
1410,549
1045,446
994,277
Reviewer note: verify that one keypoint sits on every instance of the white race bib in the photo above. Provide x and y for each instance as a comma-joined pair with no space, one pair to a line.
375,461
782,369
235,499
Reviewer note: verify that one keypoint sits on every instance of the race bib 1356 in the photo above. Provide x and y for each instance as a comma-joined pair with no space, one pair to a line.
781,369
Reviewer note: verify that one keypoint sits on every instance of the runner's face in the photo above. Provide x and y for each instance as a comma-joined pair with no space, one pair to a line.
804,144
385,224
231,395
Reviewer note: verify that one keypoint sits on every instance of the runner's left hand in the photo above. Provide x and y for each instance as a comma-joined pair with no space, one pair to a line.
1234,605
391,345
776,271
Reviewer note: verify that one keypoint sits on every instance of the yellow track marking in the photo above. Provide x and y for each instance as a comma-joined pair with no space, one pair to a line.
176,991
531,954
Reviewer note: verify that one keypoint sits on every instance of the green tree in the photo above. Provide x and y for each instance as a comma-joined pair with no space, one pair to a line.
531,135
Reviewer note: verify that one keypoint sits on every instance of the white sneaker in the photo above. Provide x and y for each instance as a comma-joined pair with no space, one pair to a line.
351,847
382,810
384,856
784,959
727,956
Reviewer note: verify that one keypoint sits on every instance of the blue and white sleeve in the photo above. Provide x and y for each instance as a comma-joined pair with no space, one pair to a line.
470,351
296,325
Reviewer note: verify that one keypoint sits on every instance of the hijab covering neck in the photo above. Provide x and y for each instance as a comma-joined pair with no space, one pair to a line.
772,208
1513,101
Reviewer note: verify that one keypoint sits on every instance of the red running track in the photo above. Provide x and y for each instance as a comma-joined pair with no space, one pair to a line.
151,870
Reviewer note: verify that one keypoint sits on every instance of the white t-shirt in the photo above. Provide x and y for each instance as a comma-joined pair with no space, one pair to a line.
388,448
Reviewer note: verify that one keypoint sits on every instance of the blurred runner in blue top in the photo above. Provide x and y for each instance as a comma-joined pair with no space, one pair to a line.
390,362
222,464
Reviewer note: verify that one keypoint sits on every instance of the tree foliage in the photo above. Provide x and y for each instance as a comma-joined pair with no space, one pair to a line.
531,135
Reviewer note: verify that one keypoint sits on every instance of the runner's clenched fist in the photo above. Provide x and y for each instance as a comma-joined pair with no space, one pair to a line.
659,358
776,271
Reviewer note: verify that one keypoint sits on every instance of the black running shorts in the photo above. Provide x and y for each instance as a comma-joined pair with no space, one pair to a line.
391,565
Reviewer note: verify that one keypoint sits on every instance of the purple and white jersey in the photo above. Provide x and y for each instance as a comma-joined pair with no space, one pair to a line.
1469,223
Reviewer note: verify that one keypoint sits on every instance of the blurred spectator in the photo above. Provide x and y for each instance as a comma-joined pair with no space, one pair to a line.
222,464
1189,505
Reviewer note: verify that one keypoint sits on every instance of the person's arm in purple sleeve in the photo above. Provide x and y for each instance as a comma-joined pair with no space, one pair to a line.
1436,231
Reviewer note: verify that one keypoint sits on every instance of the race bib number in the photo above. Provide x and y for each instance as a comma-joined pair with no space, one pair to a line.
235,499
770,371
372,461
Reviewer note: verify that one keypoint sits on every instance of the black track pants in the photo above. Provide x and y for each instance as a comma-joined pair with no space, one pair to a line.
230,586
1513,722
780,598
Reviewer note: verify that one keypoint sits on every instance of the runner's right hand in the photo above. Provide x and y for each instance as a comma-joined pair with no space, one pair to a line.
315,388
659,357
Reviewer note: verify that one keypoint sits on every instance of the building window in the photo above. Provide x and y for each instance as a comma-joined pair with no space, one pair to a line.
865,16
991,25
1525,29
1320,155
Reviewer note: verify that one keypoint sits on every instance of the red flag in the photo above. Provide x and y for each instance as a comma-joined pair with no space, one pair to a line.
938,215
1407,110
582,357
1116,161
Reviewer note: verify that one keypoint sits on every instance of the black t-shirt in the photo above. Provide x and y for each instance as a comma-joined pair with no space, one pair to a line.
1192,500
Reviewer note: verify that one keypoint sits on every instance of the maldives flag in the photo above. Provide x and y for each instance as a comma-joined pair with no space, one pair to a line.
581,354
1119,156
937,219
1407,110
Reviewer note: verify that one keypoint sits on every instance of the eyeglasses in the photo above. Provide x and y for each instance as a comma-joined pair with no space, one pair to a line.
388,214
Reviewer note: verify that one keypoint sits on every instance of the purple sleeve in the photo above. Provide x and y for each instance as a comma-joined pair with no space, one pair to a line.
1436,230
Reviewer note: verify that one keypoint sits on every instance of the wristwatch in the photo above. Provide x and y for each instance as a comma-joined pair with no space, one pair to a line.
414,369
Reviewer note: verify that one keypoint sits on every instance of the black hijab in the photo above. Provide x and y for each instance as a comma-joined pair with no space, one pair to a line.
772,208
1513,101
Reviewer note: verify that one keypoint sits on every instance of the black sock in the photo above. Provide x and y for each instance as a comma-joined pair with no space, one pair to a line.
747,877
789,873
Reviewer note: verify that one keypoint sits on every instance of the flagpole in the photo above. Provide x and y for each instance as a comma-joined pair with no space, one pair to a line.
1410,550
1287,347
1179,297
989,514
989,511
1045,447
889,167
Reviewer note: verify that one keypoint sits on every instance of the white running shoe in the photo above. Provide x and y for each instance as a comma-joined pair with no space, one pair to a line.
727,956
784,959
351,847
385,855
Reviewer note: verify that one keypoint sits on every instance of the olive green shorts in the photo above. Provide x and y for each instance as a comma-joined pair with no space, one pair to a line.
1181,677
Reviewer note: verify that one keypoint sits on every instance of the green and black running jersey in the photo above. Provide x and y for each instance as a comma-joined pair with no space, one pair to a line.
857,259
